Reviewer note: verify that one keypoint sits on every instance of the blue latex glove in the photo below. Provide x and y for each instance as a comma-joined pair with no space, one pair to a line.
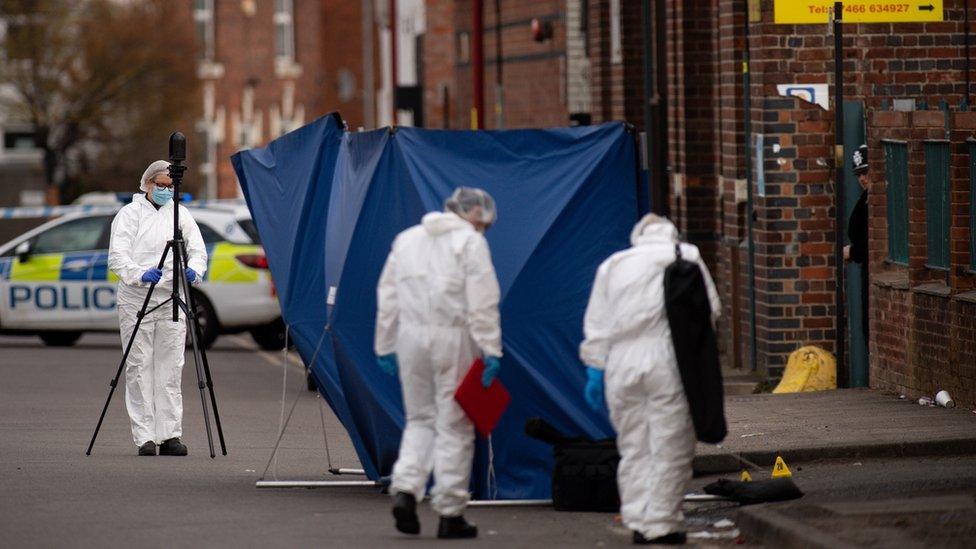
492,365
191,275
388,363
594,389
152,276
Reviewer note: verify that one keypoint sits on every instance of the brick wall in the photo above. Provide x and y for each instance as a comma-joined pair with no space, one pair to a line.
328,50
794,227
440,54
534,73
922,319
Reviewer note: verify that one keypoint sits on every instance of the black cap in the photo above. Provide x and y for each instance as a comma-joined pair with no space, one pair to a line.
860,160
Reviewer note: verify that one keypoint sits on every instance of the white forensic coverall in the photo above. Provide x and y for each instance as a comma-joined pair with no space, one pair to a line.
153,371
628,336
438,310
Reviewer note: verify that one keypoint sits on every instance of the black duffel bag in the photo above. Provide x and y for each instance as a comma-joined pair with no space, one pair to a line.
695,347
584,477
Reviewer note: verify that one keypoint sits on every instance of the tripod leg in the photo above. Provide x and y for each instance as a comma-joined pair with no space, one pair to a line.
125,355
206,366
179,278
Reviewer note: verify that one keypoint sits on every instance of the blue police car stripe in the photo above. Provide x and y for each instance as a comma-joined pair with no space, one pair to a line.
99,270
82,263
5,263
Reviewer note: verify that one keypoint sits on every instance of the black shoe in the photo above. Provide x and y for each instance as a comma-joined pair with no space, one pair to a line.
674,538
172,447
456,528
148,449
405,513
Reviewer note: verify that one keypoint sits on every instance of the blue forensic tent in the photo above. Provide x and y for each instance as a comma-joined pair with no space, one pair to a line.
328,204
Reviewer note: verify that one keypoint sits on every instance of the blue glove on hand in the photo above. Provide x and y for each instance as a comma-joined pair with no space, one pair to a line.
594,388
152,276
191,275
492,365
388,363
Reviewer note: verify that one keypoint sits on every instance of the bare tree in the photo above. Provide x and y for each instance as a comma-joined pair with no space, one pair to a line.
102,81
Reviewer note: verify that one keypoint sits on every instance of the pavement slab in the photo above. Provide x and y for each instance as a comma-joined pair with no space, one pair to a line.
840,424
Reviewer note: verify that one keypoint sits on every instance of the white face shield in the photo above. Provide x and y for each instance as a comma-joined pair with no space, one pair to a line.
466,199
154,169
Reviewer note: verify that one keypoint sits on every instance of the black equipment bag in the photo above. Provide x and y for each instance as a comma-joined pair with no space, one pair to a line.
695,347
584,477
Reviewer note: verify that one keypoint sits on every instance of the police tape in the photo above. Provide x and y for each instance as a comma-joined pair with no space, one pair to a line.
22,212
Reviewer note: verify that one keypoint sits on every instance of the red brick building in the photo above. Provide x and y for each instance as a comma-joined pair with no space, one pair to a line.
594,65
271,66
541,85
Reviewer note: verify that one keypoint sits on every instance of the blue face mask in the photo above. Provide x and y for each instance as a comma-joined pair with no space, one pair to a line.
162,196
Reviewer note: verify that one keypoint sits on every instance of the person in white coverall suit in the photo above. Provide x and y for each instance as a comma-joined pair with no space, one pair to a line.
629,340
437,312
154,369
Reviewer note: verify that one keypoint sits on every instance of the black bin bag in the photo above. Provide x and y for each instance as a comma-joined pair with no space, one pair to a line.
695,347
584,477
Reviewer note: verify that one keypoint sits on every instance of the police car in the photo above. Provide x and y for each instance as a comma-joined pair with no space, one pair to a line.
55,282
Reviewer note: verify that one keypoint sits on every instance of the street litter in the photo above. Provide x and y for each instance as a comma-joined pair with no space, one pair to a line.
752,435
926,401
901,397
731,534
723,524
943,399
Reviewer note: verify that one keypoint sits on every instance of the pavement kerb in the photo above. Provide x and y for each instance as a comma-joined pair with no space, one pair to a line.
716,464
764,524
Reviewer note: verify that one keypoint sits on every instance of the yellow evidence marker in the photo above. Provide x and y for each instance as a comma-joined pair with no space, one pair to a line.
780,470
745,476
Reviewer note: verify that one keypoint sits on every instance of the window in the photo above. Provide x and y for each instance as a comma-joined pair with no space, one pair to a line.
464,48
896,176
209,235
937,203
284,22
250,229
74,236
616,42
585,26
203,19
19,140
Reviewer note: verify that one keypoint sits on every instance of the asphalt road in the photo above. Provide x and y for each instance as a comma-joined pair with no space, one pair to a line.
51,494
54,495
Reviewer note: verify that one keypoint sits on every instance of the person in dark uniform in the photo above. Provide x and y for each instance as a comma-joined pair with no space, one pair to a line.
857,230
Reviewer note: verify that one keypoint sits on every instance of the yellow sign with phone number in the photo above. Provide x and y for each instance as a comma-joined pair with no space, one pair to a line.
812,12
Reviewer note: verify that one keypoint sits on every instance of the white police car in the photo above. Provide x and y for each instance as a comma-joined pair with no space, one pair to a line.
55,282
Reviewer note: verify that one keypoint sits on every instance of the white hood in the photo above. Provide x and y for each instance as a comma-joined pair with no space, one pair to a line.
438,223
653,228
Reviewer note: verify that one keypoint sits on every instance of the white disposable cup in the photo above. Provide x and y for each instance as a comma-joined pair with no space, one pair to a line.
943,399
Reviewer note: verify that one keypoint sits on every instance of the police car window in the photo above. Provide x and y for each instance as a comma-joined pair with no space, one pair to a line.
74,236
250,229
209,235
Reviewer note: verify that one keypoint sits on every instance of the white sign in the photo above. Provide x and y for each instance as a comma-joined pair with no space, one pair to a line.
818,94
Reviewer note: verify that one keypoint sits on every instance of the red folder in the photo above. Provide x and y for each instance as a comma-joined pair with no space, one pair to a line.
483,406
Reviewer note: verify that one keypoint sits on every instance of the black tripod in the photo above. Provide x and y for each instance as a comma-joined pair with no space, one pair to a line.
177,154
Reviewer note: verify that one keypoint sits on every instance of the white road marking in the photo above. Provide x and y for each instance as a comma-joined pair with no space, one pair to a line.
273,359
